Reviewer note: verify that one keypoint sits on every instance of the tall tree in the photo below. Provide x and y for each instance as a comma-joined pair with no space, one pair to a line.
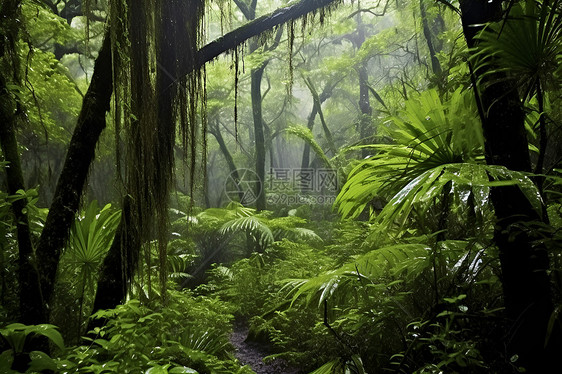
365,120
31,309
524,264
256,77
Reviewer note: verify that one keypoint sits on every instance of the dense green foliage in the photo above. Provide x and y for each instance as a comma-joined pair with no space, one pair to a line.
403,273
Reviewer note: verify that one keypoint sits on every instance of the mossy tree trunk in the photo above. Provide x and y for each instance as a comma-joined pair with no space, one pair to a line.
31,307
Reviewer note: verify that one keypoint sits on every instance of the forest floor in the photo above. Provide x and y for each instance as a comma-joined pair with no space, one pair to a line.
252,353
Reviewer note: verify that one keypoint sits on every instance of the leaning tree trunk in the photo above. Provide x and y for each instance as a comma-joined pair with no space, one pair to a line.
31,308
524,264
80,155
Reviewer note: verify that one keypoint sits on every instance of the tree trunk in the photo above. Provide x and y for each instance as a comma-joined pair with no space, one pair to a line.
435,65
256,77
317,103
80,155
365,131
524,264
325,95
31,308
229,160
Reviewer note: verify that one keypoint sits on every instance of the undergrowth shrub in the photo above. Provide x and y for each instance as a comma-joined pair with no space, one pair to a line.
189,334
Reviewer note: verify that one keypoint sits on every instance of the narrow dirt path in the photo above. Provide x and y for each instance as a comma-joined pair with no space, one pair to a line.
252,353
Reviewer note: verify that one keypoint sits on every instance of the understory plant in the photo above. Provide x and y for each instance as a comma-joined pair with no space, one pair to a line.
91,236
188,335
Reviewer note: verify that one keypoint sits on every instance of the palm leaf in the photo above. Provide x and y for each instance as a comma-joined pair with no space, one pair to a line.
341,284
91,236
331,367
252,225
343,365
432,152
527,45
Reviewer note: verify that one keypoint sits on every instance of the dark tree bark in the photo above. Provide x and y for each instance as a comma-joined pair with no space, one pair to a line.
66,200
256,78
31,310
524,264
31,307
253,28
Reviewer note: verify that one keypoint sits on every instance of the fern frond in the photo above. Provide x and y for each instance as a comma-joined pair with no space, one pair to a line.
306,134
301,234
